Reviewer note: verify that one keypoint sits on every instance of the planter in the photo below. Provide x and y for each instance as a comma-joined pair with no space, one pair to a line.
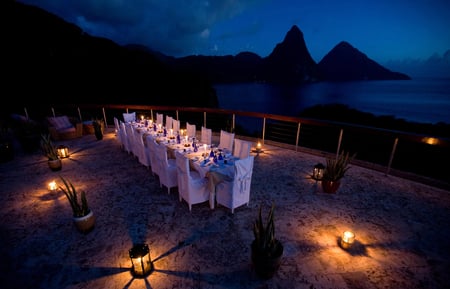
99,135
55,165
85,224
330,187
265,267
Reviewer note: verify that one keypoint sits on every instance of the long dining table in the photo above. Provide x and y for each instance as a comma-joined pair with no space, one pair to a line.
214,163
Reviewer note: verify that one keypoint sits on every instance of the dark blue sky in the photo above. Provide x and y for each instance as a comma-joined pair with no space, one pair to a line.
387,31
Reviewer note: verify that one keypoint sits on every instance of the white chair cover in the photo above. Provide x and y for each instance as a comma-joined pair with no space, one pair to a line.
176,126
167,168
191,187
124,136
159,119
118,132
151,150
226,140
141,151
169,121
242,148
236,193
129,117
130,137
190,130
206,135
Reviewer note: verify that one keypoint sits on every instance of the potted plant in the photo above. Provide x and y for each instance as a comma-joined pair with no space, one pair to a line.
82,215
98,128
54,162
266,250
335,170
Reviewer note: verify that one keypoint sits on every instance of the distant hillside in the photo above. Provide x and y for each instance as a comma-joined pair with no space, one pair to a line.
289,62
51,61
344,62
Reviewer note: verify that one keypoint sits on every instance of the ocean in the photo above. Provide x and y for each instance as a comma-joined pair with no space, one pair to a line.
423,100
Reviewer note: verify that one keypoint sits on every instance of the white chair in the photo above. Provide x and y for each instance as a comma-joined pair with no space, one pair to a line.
151,151
191,187
141,151
167,168
118,131
129,117
176,126
125,141
236,193
130,137
169,121
226,140
242,148
190,130
206,135
159,119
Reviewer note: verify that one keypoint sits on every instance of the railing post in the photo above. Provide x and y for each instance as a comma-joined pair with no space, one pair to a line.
391,158
339,142
151,113
298,136
104,117
263,130
176,112
233,123
79,114
204,118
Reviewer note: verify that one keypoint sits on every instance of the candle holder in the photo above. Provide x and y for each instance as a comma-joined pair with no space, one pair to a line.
63,151
140,260
52,187
347,239
318,171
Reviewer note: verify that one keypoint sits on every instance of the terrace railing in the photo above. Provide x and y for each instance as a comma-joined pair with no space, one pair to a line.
408,155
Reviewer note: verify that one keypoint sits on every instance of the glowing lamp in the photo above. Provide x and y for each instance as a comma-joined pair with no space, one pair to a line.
140,260
142,117
347,239
63,151
52,186
318,172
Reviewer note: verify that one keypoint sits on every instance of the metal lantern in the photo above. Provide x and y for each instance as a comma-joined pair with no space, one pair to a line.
140,259
318,171
63,151
347,239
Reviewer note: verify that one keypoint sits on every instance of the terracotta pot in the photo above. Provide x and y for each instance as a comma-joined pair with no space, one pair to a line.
265,267
55,165
85,224
330,186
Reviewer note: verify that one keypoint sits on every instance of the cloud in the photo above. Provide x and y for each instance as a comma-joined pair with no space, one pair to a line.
173,27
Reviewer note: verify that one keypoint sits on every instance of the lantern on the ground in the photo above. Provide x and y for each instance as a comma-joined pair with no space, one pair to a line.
52,187
347,239
63,151
318,171
140,260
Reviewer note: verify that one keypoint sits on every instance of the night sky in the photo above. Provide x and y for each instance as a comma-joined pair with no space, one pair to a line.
386,31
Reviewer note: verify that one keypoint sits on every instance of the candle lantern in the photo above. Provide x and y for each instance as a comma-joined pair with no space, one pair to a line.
140,260
52,186
63,151
318,172
347,239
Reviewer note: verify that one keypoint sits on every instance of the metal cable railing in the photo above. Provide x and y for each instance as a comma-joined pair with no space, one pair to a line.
405,154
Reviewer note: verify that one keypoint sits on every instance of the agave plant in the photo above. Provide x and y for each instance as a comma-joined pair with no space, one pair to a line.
265,240
48,147
79,202
337,167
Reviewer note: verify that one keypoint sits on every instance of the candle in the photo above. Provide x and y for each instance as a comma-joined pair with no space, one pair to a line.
186,138
347,239
171,132
204,147
52,186
142,117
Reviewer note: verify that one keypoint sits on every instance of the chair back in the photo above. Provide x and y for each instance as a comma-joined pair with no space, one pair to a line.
169,121
159,118
176,126
182,173
129,117
242,148
151,147
167,170
190,130
243,175
206,135
226,140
